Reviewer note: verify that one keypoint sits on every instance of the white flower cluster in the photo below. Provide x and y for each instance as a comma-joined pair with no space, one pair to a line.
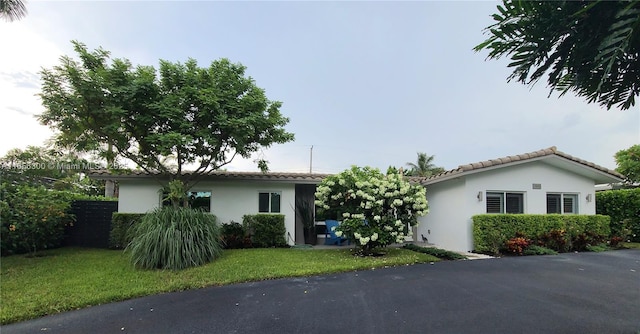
376,209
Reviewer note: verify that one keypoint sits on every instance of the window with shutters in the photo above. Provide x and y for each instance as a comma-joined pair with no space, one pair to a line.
505,202
562,203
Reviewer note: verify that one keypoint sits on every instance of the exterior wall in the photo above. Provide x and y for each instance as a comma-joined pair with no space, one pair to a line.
229,200
452,203
520,178
445,225
138,196
232,200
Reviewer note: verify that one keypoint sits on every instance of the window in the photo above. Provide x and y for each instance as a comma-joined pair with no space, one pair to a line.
269,202
504,202
562,203
197,200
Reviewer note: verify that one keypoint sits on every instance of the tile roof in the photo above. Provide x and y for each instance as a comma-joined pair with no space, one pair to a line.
219,175
551,151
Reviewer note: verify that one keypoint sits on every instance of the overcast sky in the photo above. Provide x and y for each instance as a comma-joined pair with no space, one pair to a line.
365,83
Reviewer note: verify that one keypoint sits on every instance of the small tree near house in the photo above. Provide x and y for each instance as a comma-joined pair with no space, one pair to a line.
199,116
376,209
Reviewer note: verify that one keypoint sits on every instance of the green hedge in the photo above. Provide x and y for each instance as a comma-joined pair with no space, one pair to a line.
491,231
265,230
120,237
623,206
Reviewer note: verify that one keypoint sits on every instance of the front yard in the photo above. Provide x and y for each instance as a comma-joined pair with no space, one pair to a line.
71,278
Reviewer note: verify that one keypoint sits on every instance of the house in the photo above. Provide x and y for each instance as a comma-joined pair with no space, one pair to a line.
540,182
228,195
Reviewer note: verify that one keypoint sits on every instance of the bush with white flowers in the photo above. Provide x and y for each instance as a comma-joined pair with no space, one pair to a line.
376,210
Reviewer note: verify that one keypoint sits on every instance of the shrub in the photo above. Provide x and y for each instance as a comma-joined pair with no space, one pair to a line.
265,230
581,241
492,231
376,209
121,223
597,248
538,250
234,235
32,218
437,252
555,239
516,245
175,238
623,206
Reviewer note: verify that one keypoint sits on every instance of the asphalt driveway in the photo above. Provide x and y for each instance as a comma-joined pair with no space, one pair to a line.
568,293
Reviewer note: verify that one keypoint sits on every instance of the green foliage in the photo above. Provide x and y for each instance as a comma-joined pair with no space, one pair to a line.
121,223
628,162
51,168
538,250
174,238
588,47
12,10
423,166
199,116
623,206
437,252
597,248
32,218
492,231
376,209
234,235
265,229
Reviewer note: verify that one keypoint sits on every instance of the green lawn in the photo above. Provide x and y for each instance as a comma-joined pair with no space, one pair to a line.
631,245
71,278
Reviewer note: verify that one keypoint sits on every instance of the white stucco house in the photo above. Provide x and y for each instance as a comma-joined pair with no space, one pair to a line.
229,195
540,182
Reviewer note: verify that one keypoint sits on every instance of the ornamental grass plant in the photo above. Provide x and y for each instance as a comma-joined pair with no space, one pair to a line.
175,238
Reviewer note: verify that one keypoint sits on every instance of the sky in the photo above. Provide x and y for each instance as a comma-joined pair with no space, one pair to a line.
364,83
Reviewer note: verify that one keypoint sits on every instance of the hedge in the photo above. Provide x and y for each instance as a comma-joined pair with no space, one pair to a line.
491,231
119,237
623,206
265,230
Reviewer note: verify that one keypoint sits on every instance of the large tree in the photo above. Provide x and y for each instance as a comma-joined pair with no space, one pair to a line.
12,10
628,162
423,166
590,48
200,117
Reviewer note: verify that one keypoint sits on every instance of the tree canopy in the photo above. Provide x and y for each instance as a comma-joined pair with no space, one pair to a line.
590,48
423,166
200,117
628,162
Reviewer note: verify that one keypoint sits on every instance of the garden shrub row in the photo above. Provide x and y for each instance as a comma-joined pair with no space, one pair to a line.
623,206
497,233
265,230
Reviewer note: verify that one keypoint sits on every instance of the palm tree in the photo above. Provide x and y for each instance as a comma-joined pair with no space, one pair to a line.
12,10
424,166
590,48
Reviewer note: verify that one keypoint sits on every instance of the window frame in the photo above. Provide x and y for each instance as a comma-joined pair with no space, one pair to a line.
188,193
503,197
562,202
271,194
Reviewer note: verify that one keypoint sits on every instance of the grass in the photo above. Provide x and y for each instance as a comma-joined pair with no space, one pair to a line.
631,245
437,252
71,278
